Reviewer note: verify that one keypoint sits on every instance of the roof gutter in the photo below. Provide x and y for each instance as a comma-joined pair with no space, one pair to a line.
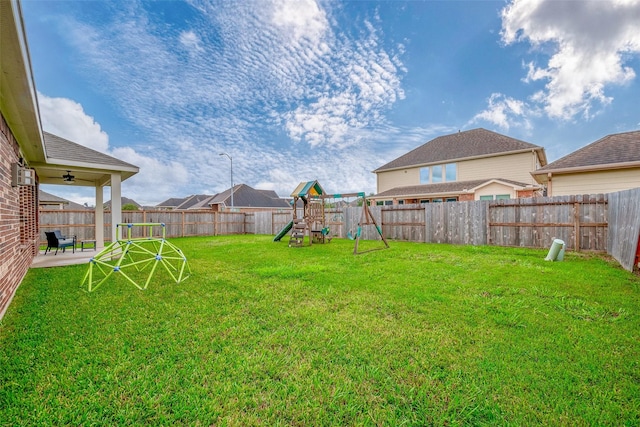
590,168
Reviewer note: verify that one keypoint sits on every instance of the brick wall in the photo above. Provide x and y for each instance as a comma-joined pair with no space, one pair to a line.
526,194
18,221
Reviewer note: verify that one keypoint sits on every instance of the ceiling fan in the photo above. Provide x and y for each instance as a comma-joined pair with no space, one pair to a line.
68,178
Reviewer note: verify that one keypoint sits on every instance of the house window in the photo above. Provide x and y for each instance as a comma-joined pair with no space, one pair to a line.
450,172
452,199
436,200
436,174
424,175
502,196
379,203
388,202
424,201
486,197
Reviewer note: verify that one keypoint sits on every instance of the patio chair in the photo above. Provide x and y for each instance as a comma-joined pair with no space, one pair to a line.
55,239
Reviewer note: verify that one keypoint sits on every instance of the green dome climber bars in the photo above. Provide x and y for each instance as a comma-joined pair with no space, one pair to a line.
137,258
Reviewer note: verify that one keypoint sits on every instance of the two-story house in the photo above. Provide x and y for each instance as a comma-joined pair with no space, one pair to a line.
477,164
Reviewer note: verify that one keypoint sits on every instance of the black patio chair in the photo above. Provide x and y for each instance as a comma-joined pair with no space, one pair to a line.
55,239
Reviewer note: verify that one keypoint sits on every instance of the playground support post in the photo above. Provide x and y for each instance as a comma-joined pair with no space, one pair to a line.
366,218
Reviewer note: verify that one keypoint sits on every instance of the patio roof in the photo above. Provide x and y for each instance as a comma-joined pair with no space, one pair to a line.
18,103
89,167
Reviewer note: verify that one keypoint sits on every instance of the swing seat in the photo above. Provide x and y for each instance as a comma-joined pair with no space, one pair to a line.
351,236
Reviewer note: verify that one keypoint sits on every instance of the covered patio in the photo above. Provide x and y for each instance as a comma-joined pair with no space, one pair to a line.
68,163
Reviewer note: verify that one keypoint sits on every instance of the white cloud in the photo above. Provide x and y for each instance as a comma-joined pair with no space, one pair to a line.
266,81
301,18
67,119
191,41
156,177
506,112
588,41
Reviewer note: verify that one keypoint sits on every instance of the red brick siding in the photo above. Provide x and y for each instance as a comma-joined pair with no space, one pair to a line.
526,194
466,197
18,221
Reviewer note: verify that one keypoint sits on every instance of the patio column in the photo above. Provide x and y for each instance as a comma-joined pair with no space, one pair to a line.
116,204
99,214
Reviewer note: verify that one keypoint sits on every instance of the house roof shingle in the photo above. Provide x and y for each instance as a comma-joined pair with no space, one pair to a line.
461,145
123,201
45,198
171,203
197,201
611,150
245,196
59,148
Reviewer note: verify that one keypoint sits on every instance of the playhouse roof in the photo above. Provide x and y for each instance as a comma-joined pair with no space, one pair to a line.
308,188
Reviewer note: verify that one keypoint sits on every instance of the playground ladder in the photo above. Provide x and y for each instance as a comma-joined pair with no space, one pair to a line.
297,233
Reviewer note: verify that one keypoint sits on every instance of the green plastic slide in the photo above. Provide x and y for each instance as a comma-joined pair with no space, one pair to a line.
282,232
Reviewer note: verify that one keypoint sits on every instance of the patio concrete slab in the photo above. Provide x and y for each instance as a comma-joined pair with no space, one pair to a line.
62,258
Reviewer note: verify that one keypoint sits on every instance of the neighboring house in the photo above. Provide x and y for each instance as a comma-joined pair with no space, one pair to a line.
123,201
608,165
30,157
472,165
169,204
191,202
247,199
51,201
197,201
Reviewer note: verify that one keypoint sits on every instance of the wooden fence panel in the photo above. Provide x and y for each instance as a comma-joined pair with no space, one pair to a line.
262,223
624,226
585,222
580,221
406,222
335,220
79,223
278,221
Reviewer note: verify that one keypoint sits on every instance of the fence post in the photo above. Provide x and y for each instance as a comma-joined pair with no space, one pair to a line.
488,213
576,226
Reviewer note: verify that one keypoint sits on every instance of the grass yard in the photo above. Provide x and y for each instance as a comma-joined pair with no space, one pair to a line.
264,334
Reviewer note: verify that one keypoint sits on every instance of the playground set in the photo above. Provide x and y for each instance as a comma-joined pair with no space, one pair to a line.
311,221
132,257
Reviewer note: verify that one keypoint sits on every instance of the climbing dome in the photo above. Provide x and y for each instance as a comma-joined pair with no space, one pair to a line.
137,259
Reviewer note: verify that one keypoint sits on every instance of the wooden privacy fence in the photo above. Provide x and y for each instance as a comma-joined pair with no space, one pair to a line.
624,227
580,221
601,222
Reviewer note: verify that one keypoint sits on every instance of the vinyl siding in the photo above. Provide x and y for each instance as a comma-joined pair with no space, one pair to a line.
515,167
495,189
398,178
595,182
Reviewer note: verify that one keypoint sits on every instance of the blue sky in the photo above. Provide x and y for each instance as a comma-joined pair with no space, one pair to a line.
302,90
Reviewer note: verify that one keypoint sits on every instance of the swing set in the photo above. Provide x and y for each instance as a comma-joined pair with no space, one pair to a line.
366,218
320,211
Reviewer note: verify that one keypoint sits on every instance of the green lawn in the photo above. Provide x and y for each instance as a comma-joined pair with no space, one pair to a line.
264,334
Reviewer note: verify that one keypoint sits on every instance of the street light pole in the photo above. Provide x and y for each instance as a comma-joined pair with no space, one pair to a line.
231,160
